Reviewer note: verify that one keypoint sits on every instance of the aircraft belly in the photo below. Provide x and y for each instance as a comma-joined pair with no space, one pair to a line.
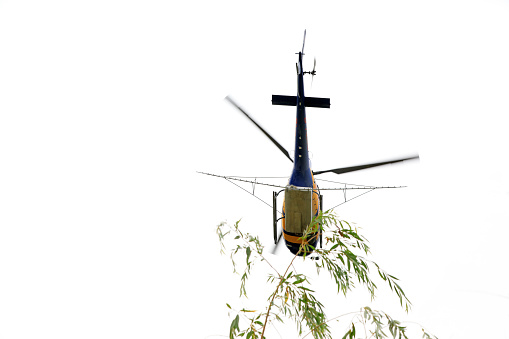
299,207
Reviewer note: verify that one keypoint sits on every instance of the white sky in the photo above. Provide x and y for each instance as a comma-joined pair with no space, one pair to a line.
107,109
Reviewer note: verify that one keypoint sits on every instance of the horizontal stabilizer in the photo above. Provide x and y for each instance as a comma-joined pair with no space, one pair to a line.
289,100
317,102
284,100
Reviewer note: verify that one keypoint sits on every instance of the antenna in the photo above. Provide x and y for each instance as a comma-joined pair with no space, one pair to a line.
303,42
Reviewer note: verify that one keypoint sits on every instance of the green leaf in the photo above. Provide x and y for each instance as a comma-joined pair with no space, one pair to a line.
305,289
234,327
348,334
393,277
299,281
248,254
341,258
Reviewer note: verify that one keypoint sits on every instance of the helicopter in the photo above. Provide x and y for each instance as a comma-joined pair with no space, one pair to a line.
302,197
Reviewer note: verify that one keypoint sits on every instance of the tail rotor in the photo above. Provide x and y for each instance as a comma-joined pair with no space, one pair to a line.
313,72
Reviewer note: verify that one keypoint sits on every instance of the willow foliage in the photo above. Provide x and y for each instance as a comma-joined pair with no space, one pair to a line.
343,258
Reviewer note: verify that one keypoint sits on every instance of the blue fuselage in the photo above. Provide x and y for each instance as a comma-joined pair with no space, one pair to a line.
301,174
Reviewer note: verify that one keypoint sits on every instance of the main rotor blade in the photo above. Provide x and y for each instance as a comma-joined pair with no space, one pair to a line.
361,167
281,148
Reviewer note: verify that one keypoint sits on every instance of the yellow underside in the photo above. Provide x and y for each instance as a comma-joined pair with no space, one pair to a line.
315,205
